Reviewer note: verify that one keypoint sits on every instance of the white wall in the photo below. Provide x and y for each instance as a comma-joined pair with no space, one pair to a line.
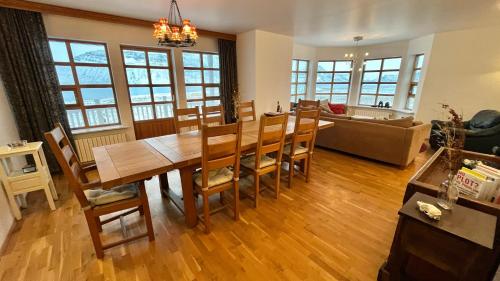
115,35
9,133
463,71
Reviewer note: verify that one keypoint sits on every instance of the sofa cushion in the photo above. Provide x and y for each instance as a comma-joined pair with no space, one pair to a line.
406,122
101,196
333,115
485,119
215,177
337,108
323,105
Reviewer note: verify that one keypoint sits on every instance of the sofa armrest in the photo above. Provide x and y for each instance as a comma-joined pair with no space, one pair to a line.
483,132
414,138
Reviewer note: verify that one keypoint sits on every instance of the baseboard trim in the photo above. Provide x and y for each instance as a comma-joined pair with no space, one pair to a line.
3,244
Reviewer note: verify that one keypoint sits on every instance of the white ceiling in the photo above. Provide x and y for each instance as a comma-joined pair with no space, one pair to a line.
314,22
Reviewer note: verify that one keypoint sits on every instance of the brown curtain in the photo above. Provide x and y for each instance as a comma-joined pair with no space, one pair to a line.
229,76
29,77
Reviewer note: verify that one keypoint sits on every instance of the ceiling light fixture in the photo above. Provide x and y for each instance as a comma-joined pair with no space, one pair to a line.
354,56
174,31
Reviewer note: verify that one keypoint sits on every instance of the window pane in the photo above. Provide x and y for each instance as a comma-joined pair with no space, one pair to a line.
301,97
139,94
294,65
322,97
191,59
211,76
194,92
387,89
371,76
212,91
325,66
88,75
389,76
194,103
385,99
164,110
373,64
102,116
134,57
323,88
88,53
157,59
302,77
392,63
414,90
416,76
162,94
65,75
369,88
59,51
367,100
137,76
343,65
410,103
75,118
192,76
142,112
420,61
160,76
303,65
293,89
97,96
301,88
69,97
340,88
324,77
339,99
341,77
212,102
210,61
294,77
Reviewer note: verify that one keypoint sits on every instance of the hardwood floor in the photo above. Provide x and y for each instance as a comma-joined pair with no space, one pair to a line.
337,227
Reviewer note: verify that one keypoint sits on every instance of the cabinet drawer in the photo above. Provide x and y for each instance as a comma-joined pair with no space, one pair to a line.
23,184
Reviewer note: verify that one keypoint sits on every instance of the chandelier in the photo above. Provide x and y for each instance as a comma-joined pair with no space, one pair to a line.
174,31
354,56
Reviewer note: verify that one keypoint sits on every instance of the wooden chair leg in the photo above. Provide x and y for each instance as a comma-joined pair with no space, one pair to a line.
221,197
277,182
236,201
98,223
256,185
291,168
94,234
141,210
206,213
308,168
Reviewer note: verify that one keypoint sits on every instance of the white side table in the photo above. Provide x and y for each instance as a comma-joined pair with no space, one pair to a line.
16,182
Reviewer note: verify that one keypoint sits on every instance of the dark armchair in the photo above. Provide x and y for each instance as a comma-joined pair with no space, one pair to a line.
482,132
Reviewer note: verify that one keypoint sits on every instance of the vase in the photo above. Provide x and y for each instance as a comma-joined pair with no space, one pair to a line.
447,193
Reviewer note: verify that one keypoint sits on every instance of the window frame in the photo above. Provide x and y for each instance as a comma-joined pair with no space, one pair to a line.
76,87
150,84
296,83
414,84
378,83
203,85
332,83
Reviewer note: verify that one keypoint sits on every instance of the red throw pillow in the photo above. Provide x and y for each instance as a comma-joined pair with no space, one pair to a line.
337,108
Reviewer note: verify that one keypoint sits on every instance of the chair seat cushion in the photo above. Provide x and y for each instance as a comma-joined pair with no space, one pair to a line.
265,161
298,150
101,196
215,177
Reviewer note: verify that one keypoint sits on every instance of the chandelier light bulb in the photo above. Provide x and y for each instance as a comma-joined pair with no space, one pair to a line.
367,54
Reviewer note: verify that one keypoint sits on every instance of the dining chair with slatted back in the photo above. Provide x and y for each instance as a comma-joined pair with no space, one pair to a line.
220,167
213,115
302,142
267,157
310,104
246,111
187,119
95,201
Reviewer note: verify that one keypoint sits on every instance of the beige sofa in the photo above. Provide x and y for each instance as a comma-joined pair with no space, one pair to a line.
393,141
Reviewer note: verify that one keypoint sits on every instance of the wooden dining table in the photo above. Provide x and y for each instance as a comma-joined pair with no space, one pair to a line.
140,160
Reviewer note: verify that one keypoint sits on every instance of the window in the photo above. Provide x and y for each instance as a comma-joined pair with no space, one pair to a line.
202,78
149,82
333,81
415,78
379,81
86,82
300,70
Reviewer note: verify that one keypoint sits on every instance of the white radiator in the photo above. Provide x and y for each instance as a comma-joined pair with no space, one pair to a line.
84,145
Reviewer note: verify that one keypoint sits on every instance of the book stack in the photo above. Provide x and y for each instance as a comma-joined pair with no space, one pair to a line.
481,182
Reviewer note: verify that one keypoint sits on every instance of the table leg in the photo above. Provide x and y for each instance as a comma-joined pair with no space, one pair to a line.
188,196
164,188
